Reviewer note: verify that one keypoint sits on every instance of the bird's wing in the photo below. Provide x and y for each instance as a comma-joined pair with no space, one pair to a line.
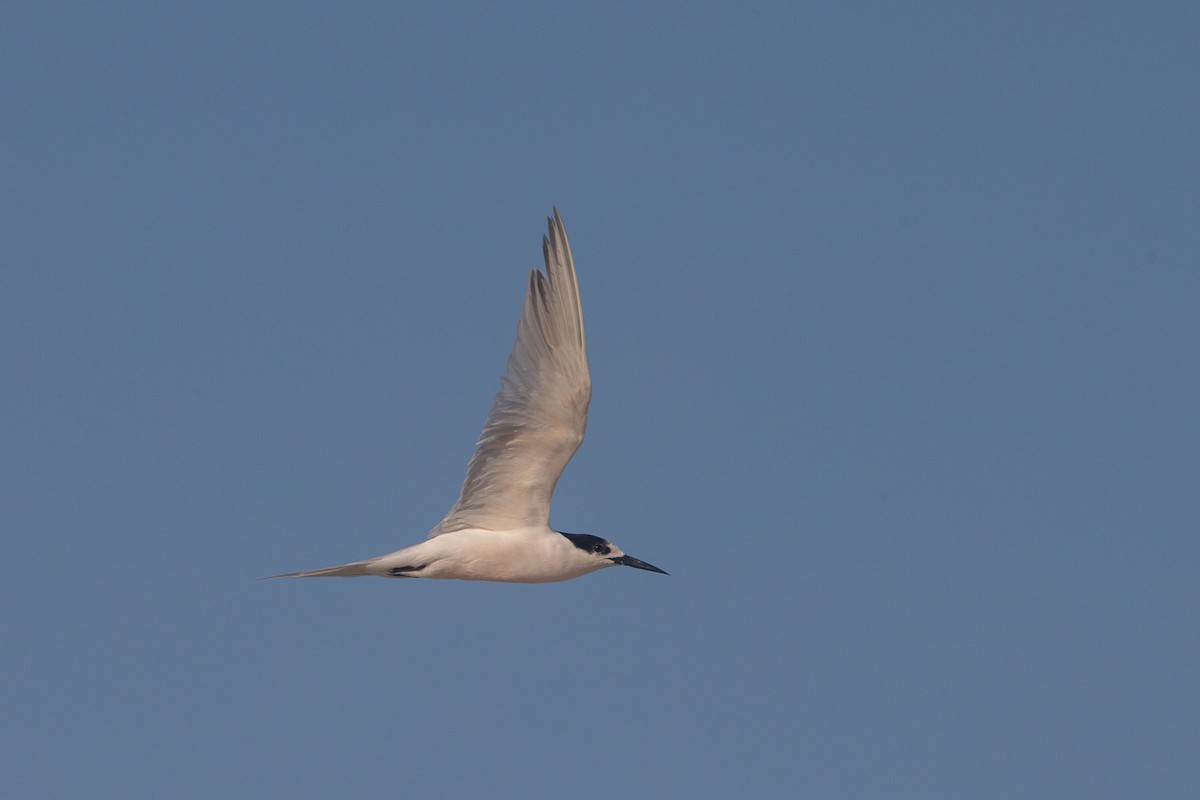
539,415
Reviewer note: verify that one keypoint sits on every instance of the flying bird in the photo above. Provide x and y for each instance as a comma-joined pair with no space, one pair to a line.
499,530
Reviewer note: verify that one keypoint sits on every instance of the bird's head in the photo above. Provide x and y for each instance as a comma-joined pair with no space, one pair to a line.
606,554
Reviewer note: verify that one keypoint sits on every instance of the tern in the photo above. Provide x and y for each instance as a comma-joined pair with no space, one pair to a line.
499,530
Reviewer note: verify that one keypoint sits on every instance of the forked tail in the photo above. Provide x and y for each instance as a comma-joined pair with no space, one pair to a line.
355,570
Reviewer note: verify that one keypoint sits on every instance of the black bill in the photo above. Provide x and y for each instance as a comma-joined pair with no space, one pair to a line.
630,561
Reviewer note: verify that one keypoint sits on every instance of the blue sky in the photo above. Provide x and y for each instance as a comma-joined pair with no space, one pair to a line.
893,323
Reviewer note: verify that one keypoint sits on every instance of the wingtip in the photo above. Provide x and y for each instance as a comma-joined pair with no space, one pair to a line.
558,230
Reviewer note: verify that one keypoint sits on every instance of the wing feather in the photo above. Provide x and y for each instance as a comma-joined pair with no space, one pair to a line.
539,416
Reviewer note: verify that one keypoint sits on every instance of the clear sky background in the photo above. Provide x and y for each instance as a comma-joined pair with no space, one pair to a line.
894,323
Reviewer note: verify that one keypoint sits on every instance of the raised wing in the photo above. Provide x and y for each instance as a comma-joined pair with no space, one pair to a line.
539,415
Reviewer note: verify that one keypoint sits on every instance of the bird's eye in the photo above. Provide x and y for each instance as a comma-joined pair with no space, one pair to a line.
599,548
